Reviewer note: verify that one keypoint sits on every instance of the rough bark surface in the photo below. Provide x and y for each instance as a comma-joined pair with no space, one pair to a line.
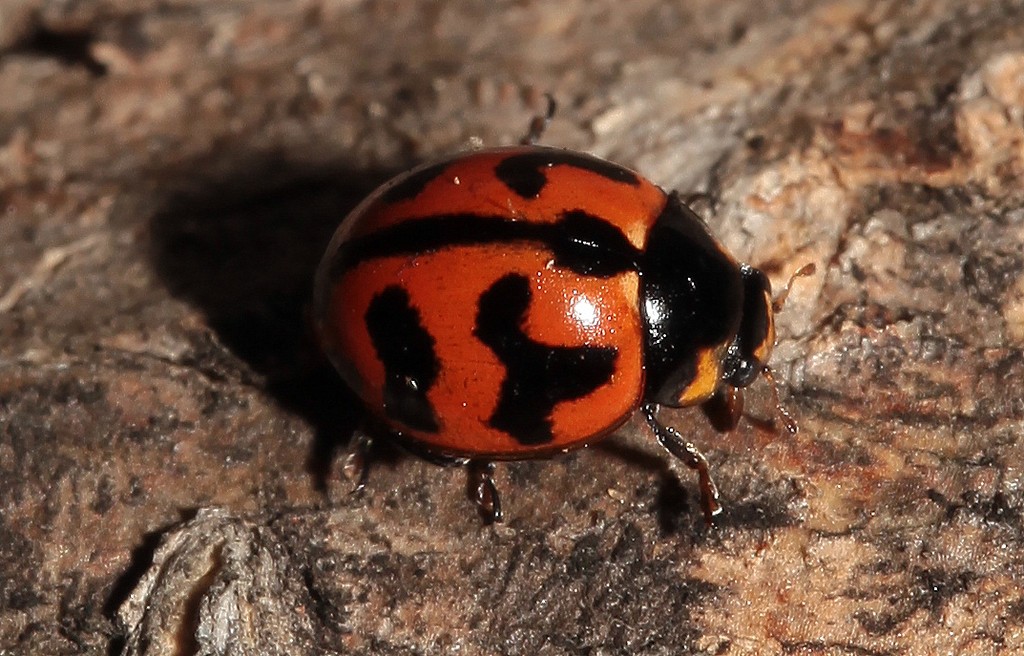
170,442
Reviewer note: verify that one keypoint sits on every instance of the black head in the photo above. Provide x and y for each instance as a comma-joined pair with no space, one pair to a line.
747,355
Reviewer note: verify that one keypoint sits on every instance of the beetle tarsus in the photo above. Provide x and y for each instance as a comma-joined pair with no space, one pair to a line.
691,456
484,491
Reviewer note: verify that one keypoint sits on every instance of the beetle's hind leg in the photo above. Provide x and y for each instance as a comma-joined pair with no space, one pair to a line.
483,491
480,487
689,454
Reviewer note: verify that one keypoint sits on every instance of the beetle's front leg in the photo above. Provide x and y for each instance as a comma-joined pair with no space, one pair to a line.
691,456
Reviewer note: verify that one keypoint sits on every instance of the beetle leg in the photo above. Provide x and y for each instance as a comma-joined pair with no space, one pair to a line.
483,491
725,408
787,419
691,456
539,123
356,463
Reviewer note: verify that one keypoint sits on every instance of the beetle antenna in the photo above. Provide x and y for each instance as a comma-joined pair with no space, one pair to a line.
787,419
780,300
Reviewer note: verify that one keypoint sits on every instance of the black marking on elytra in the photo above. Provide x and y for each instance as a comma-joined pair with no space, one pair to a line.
406,350
580,242
537,376
413,184
525,173
591,246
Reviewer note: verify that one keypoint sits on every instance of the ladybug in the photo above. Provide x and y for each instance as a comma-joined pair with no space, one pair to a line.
521,302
